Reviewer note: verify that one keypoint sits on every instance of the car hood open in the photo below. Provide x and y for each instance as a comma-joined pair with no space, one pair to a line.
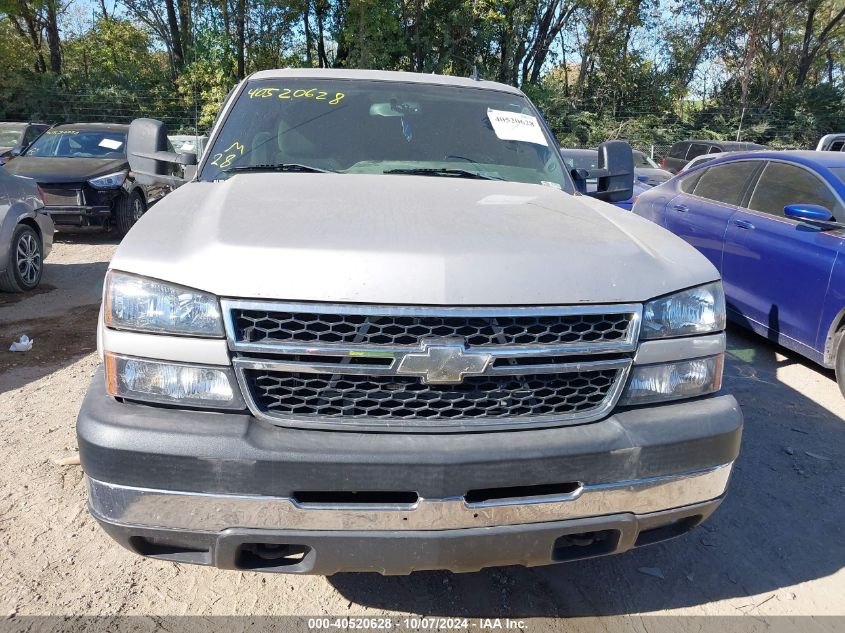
47,170
405,240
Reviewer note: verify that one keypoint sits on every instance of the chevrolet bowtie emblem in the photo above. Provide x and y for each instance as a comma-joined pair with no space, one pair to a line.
443,361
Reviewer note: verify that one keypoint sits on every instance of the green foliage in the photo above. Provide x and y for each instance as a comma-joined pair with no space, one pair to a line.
649,71
115,53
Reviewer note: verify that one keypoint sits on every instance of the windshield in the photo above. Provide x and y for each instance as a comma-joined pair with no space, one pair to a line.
376,127
67,143
10,136
641,160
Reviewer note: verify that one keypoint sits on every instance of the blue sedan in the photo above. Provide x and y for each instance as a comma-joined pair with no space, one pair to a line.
773,223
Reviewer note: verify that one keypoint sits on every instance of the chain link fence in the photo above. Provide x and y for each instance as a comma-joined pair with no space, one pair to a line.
182,113
652,133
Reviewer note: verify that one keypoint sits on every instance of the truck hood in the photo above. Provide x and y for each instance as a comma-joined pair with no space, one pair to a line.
57,170
405,240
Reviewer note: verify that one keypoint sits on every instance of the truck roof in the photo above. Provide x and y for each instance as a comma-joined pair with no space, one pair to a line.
383,75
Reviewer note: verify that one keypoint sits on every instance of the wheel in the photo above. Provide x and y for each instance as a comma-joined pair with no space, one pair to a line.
128,210
839,363
26,264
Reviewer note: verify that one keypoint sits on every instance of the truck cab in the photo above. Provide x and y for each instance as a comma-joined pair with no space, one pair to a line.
381,330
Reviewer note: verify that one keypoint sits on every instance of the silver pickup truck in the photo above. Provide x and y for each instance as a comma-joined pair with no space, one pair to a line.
379,330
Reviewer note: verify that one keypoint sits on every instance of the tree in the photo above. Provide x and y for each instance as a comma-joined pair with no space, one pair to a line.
821,22
37,22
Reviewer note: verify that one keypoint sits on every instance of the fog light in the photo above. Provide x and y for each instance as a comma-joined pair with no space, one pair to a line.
671,381
172,383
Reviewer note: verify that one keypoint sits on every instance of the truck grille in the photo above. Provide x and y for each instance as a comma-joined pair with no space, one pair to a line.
259,326
430,369
405,398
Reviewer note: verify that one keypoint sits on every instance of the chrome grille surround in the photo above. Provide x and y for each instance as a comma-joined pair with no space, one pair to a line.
557,370
316,328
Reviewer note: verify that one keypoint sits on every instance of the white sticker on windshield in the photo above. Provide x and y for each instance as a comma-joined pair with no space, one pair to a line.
110,143
515,126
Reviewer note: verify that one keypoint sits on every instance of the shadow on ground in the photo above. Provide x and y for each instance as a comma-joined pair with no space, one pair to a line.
60,317
86,235
780,525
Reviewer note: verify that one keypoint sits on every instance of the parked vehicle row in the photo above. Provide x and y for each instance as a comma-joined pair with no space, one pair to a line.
431,346
683,152
83,172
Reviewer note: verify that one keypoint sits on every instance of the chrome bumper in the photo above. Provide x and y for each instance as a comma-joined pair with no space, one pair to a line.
198,512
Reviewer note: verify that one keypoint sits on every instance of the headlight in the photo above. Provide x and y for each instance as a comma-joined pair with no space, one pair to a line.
149,305
671,381
172,383
109,181
695,311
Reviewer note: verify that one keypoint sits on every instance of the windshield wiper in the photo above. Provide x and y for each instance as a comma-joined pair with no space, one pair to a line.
279,167
441,171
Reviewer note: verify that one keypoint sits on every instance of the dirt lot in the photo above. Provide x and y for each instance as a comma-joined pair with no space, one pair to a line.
775,547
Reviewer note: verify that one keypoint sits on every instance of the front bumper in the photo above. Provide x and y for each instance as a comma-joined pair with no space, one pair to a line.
82,215
92,206
216,488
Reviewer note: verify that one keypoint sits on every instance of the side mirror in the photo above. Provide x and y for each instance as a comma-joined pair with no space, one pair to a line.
17,150
149,158
614,175
616,167
808,212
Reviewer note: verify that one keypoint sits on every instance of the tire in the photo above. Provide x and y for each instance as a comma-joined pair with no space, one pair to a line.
839,362
26,261
128,210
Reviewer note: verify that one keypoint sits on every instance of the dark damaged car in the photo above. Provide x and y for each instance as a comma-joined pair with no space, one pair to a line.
84,175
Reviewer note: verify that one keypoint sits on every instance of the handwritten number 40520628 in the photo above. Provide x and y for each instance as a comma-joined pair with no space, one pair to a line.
290,93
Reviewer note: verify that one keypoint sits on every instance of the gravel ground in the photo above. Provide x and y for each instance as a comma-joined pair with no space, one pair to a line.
773,548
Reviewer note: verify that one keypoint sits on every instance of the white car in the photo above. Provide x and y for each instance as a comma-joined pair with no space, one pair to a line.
831,143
